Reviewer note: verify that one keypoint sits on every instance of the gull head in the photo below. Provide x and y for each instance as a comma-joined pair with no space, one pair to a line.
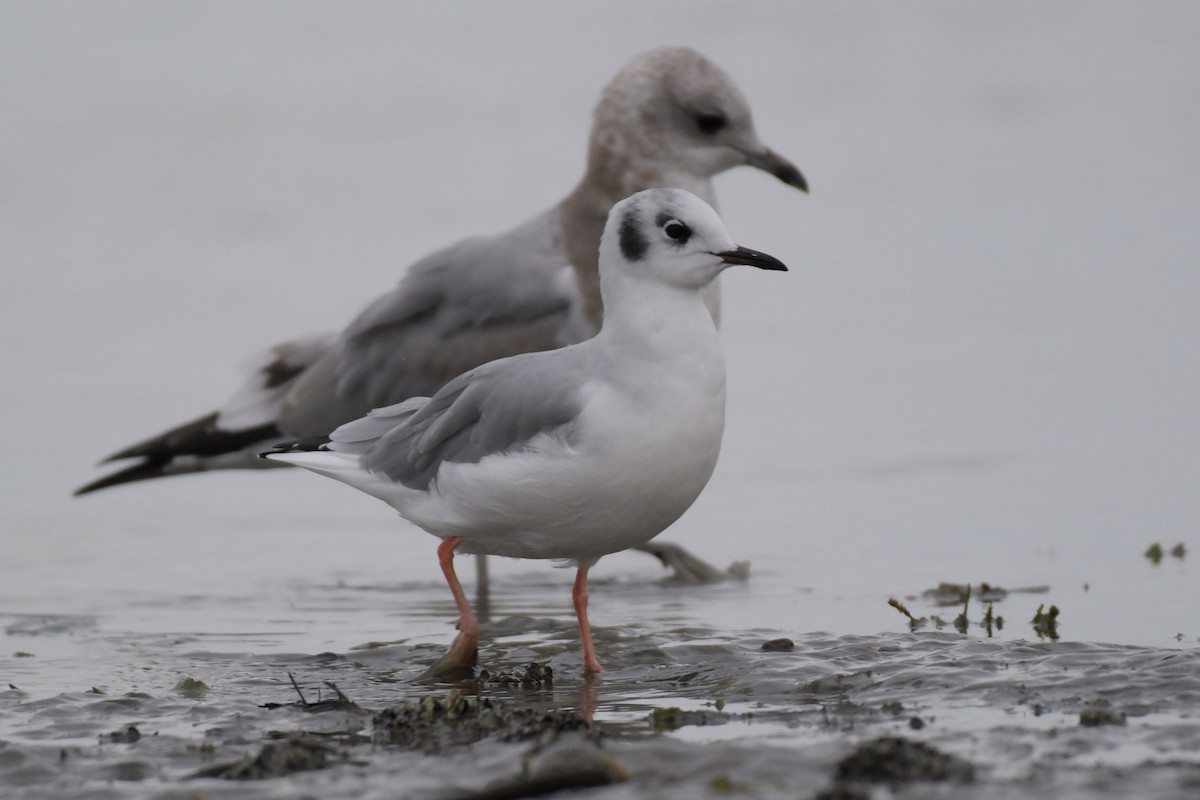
673,111
672,237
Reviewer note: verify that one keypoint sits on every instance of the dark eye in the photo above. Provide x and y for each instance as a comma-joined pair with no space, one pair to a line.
677,231
710,124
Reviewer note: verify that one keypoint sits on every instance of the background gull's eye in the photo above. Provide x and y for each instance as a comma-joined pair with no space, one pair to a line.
710,124
677,231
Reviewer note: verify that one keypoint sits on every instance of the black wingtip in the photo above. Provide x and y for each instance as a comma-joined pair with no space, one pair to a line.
142,471
283,447
308,445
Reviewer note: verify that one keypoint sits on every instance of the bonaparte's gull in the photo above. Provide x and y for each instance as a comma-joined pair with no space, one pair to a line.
572,453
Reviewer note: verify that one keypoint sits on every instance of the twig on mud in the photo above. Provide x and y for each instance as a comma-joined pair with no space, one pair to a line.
341,701
296,686
914,623
961,623
903,609
340,695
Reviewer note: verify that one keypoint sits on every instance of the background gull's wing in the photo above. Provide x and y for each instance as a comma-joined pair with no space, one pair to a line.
479,300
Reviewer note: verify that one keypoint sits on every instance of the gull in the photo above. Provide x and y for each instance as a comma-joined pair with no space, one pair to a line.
670,117
567,454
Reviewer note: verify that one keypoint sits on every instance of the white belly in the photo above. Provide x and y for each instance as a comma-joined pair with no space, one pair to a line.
635,462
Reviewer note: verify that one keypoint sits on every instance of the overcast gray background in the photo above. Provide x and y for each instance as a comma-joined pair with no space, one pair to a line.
983,366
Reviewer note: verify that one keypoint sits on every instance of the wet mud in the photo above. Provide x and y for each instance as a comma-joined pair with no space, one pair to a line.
680,711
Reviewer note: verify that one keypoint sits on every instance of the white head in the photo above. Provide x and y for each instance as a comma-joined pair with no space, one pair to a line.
671,237
672,111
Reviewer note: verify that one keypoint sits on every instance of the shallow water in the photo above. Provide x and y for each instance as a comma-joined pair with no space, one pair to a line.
982,368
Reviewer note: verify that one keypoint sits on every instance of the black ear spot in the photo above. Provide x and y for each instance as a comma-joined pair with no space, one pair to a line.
633,241
710,124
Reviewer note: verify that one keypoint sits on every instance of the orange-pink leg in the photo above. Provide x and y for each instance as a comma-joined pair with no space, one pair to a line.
580,595
461,655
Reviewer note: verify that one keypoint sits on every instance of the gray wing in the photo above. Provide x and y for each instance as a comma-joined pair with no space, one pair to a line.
479,300
497,408
360,435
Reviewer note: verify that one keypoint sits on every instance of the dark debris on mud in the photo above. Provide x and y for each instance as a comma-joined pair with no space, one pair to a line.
955,594
433,724
1156,551
1099,712
127,735
298,753
531,676
1044,622
670,718
895,760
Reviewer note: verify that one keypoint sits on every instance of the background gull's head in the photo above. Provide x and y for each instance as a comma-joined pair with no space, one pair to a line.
673,111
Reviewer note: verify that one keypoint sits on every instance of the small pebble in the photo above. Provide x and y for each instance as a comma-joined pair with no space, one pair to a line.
1095,717
124,736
